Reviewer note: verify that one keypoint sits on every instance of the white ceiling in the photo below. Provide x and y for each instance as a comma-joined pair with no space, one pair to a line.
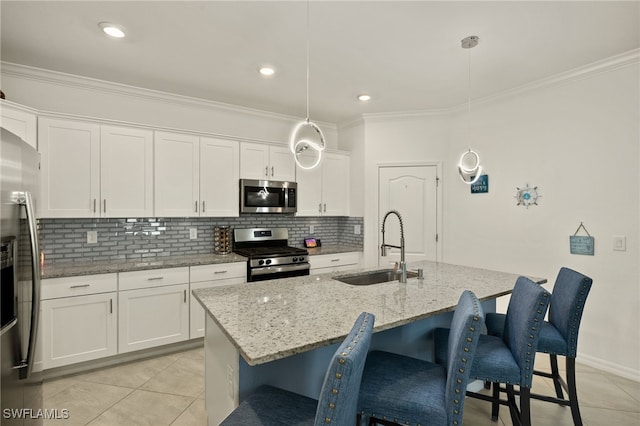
407,55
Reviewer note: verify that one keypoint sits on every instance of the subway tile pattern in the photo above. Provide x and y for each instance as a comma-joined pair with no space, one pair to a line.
65,240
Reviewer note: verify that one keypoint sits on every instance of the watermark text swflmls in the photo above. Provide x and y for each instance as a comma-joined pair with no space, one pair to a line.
40,413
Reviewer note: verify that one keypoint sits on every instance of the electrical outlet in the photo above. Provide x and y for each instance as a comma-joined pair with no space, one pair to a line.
312,229
92,237
620,243
357,229
193,233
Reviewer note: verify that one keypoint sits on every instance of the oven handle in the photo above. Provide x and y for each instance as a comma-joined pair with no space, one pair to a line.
280,268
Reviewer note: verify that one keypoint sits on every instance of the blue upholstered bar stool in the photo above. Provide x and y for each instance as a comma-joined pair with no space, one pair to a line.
559,336
508,359
270,406
408,391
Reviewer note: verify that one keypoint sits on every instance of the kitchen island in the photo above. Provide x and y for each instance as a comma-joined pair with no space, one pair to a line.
283,332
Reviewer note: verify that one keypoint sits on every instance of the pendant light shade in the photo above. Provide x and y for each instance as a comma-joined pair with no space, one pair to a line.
307,141
469,167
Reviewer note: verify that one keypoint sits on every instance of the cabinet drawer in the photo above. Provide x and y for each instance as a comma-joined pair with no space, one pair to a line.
218,271
153,278
333,260
53,288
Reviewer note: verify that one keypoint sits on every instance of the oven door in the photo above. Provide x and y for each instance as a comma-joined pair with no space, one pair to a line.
278,271
264,196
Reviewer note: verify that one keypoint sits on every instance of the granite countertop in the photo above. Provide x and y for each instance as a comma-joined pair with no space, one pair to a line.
90,268
274,319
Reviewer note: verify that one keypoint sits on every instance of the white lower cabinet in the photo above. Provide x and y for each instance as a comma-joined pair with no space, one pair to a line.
323,263
206,276
153,308
79,319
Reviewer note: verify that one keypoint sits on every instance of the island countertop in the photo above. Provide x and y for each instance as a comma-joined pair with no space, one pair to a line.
274,319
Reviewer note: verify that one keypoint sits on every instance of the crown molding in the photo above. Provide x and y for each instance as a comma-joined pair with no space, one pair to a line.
119,89
612,63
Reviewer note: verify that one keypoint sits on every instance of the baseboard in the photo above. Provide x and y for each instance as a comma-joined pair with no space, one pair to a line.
609,367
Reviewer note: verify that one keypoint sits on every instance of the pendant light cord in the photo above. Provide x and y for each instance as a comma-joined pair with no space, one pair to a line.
469,98
307,61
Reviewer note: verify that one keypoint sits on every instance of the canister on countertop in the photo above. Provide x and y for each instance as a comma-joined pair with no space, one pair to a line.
221,240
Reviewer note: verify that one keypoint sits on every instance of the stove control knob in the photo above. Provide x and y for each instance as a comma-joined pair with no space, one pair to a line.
301,259
260,262
268,261
295,259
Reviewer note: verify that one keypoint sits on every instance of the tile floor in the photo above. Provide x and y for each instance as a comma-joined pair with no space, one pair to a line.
169,390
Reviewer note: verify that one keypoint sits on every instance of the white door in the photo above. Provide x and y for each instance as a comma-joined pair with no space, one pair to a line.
177,175
412,191
219,174
126,157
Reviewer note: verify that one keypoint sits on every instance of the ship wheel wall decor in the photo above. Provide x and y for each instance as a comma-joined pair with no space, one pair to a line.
527,196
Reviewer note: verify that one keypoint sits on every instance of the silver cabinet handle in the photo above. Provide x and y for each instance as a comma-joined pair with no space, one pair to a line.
320,208
196,203
266,170
203,207
335,260
155,278
105,205
94,205
220,272
79,286
185,296
272,170
325,207
110,306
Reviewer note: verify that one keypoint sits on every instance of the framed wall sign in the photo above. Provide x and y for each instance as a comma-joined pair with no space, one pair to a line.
481,186
579,244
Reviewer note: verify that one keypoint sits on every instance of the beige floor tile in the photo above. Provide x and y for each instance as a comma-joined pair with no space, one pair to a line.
194,415
85,401
55,386
629,386
131,375
184,377
602,417
144,408
597,390
194,354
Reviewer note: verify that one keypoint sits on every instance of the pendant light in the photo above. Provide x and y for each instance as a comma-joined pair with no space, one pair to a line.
469,166
307,141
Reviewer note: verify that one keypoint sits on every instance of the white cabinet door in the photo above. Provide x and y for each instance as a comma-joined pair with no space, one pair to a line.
153,316
309,191
324,263
265,162
254,161
335,185
80,328
177,183
197,314
70,168
20,122
219,176
126,156
324,190
282,165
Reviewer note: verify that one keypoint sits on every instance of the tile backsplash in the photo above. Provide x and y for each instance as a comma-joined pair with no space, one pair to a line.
65,240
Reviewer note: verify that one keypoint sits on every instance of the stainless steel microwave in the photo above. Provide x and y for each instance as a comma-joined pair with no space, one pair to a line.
268,196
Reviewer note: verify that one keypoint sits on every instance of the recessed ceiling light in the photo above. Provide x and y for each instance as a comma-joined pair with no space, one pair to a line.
364,97
112,30
267,71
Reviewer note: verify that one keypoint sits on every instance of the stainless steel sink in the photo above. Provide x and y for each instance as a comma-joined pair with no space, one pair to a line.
373,277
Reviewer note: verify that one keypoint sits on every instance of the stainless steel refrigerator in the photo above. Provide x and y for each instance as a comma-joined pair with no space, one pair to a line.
21,397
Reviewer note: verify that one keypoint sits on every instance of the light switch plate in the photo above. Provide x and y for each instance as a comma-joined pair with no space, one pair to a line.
357,229
312,229
92,237
193,233
619,243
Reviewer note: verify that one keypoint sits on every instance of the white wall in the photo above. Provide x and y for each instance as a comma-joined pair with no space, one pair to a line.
578,141
64,93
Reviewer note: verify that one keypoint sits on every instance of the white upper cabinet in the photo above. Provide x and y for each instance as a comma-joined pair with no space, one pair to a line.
126,172
19,121
93,171
195,176
70,168
266,162
324,190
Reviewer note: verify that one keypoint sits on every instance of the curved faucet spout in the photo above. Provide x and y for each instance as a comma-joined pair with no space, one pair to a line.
402,271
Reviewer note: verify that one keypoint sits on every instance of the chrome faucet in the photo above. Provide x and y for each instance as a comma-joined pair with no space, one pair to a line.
402,270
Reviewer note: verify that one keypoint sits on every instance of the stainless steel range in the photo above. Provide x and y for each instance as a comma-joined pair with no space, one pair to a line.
269,254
